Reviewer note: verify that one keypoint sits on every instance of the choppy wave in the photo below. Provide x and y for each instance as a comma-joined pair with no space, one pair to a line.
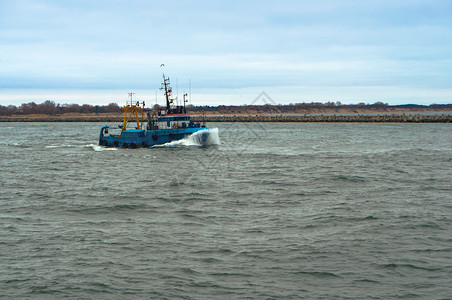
18,145
63,146
281,211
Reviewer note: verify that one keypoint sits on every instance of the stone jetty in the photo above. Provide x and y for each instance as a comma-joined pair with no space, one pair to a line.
385,118
351,118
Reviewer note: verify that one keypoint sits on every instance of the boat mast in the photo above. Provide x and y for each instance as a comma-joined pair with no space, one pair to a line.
168,90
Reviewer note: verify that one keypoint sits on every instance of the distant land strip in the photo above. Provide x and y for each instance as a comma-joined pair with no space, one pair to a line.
378,112
353,118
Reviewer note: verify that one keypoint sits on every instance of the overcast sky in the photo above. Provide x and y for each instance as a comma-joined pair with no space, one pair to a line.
77,51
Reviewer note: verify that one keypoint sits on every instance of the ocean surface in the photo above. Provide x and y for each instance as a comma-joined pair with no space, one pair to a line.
268,211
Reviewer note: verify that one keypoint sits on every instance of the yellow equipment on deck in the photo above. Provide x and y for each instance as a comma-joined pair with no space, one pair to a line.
131,108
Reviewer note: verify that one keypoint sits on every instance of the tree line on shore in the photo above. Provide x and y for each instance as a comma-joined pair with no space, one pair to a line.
52,108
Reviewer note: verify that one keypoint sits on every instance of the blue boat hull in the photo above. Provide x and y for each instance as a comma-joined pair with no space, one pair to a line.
140,138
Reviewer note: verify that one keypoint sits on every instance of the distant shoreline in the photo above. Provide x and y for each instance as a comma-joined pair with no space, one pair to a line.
367,117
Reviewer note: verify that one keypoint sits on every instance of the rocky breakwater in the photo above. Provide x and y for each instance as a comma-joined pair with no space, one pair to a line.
384,118
379,118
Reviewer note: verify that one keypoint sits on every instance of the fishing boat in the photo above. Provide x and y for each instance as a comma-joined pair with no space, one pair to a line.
163,126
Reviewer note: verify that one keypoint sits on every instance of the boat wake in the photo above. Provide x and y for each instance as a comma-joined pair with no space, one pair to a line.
98,148
94,147
206,137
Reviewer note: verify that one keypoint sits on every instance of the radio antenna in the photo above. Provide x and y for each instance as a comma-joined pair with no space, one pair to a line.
189,90
177,91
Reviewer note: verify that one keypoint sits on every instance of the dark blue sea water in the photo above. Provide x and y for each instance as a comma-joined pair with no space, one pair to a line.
275,211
